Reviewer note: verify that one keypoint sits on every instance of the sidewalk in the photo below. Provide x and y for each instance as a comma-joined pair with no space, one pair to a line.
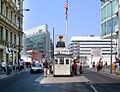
4,75
107,71
53,80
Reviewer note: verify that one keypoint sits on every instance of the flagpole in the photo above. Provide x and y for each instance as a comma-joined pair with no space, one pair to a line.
66,31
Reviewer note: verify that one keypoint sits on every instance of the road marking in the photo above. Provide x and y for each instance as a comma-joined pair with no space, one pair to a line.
39,78
93,88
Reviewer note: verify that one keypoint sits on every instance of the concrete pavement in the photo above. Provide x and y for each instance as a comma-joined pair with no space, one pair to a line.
107,72
56,80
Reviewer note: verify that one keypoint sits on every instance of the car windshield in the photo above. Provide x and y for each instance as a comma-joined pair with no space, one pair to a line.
36,65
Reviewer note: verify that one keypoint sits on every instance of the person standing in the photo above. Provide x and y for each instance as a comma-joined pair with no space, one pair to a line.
3,64
45,65
81,68
74,67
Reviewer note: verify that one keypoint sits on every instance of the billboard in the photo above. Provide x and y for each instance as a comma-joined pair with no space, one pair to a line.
60,41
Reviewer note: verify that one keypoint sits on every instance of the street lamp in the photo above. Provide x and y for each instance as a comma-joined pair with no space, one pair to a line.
19,28
111,33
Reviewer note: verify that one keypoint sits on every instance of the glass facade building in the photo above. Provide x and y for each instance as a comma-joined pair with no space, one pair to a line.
38,39
110,21
109,17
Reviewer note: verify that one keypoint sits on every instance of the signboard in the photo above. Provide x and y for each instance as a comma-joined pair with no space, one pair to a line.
60,41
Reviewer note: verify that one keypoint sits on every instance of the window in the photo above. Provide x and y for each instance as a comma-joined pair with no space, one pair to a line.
115,22
67,61
61,60
56,61
10,37
109,26
15,19
109,10
14,39
7,12
11,15
1,32
103,27
1,7
6,35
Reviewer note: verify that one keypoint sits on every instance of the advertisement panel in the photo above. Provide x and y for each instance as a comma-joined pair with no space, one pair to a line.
60,41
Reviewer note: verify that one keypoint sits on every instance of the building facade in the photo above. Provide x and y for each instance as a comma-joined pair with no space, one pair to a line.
110,21
91,48
38,39
9,29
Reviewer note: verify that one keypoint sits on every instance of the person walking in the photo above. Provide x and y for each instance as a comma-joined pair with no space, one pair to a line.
45,65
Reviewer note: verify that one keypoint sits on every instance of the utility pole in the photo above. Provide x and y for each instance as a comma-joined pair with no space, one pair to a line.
19,27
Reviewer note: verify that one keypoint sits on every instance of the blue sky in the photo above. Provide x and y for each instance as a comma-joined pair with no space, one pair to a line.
83,16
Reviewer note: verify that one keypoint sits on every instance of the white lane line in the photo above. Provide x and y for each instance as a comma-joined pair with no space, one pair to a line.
93,88
39,78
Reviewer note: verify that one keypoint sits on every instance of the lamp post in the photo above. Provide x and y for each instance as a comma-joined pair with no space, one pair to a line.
111,33
19,27
53,44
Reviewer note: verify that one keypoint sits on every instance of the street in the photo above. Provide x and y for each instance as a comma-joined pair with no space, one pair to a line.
103,82
25,82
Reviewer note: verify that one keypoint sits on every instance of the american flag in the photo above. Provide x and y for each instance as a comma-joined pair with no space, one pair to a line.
66,7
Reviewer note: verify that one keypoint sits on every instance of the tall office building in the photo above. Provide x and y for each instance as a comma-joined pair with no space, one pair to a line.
110,21
9,29
38,40
91,48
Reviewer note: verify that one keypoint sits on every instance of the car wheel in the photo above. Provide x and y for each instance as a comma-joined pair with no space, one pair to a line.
31,71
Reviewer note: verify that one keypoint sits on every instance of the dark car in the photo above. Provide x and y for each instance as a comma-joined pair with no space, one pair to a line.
36,68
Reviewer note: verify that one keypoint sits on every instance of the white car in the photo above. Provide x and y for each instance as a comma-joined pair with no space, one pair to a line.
36,68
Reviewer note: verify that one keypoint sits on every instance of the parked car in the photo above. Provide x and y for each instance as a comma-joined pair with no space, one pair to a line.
36,68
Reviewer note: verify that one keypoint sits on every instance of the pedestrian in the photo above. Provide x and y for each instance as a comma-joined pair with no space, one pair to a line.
93,66
105,66
74,67
50,67
3,64
81,68
45,65
114,67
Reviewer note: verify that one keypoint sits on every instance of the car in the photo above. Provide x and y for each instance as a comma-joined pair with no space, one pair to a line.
36,68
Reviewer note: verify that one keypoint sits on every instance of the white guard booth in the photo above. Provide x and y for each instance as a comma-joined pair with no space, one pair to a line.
62,63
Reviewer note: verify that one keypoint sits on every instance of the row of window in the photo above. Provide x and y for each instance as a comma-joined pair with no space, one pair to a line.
8,13
96,53
109,25
106,11
12,38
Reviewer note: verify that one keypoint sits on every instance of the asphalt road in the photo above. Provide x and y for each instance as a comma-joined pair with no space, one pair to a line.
25,82
103,82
